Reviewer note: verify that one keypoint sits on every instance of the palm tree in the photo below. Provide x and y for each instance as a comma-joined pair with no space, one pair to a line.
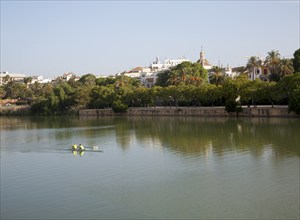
194,80
6,79
217,77
272,61
286,67
174,79
253,64
27,80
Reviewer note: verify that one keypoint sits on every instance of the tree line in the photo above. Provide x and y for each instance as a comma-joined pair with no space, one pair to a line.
187,84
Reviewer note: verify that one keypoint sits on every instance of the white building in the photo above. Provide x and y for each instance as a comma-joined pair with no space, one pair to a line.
148,75
148,80
204,62
158,66
228,71
67,76
138,71
6,76
36,79
260,72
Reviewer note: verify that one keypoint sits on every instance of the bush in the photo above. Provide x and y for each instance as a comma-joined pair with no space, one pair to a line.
119,107
231,105
294,102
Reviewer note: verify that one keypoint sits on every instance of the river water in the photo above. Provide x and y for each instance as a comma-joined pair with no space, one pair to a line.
150,167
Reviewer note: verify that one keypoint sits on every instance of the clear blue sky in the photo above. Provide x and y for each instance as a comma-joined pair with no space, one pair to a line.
106,37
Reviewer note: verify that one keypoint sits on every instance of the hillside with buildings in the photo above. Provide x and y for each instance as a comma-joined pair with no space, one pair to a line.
147,75
256,68
174,82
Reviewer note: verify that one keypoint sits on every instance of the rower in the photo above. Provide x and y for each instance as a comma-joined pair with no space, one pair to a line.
81,147
74,147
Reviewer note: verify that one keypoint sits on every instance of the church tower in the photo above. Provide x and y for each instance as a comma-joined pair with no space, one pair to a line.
201,61
204,62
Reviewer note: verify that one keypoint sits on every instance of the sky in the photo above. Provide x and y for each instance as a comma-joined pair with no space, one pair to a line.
49,38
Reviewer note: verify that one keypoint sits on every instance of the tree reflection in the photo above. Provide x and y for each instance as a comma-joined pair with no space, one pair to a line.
195,135
184,135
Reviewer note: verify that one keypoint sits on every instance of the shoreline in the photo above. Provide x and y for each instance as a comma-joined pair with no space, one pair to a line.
219,111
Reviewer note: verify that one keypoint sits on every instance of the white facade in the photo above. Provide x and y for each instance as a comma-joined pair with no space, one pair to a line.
133,75
148,80
67,76
158,66
148,75
12,77
36,79
228,71
259,73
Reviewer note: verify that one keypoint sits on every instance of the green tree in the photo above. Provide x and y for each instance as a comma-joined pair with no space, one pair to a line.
231,105
15,90
186,72
2,92
64,92
294,102
155,94
81,96
272,62
187,93
141,97
174,94
119,107
27,80
163,78
286,86
104,81
6,79
47,89
267,91
205,94
88,80
36,88
286,67
102,97
218,76
232,88
213,93
296,61
72,81
46,105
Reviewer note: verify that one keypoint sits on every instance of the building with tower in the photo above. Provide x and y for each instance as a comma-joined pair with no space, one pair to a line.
204,62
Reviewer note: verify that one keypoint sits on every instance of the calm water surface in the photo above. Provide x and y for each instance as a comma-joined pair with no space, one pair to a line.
200,168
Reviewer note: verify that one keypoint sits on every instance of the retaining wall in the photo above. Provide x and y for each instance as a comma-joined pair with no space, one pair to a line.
281,111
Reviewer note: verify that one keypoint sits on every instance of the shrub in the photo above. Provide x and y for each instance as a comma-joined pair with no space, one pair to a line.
231,105
294,102
119,107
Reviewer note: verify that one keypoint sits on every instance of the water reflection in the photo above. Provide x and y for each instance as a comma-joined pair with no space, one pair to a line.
184,135
199,135
76,152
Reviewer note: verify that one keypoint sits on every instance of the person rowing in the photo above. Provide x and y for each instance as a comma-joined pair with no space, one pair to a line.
74,147
80,147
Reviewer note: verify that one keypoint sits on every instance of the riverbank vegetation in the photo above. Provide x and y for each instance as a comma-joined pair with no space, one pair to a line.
187,84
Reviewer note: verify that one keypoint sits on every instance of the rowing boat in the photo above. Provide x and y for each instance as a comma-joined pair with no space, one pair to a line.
87,150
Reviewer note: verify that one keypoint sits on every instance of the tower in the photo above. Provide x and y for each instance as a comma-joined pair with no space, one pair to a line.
201,61
204,62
